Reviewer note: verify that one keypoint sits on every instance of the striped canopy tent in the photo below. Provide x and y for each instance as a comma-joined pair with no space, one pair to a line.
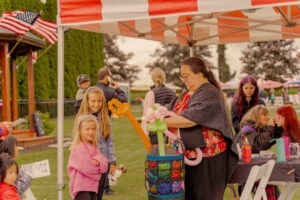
227,86
294,83
269,84
185,22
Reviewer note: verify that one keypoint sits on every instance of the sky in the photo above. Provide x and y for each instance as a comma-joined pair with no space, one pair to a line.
142,50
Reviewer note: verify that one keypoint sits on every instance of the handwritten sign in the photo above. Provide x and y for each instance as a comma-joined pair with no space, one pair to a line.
37,169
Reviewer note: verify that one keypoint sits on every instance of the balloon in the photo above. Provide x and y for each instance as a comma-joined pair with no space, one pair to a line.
120,109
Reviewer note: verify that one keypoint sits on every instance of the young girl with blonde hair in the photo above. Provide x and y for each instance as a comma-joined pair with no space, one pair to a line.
94,103
86,163
258,129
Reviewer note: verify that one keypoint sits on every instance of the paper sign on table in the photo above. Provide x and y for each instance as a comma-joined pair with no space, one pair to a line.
37,169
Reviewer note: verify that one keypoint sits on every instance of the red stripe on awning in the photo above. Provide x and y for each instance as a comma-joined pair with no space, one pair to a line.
159,36
184,30
236,34
72,11
261,2
127,31
295,13
159,7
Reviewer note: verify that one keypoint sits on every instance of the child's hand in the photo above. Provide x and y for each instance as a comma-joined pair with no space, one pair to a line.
8,125
96,162
112,168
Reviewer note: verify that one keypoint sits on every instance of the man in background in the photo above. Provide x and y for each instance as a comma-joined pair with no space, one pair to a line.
111,90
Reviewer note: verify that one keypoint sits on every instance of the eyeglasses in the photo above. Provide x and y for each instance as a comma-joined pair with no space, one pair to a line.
184,78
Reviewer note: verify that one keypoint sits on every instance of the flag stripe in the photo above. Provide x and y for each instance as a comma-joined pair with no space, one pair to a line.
12,28
45,26
14,23
45,34
50,25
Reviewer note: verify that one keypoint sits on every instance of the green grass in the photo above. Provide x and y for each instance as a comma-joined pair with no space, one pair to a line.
130,152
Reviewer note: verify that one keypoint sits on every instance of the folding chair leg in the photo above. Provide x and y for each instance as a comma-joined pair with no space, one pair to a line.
235,195
288,192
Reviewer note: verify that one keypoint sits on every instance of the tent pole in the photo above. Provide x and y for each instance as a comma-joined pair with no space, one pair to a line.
192,51
60,112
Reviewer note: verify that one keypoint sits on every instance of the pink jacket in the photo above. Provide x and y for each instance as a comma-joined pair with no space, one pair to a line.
83,172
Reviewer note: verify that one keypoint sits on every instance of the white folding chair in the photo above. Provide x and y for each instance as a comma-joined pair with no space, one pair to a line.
288,191
261,174
28,195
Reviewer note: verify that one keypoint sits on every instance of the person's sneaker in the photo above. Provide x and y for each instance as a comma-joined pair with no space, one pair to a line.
109,191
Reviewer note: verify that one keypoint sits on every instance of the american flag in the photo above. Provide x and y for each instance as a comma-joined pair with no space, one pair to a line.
43,28
19,22
47,30
11,23
28,17
31,21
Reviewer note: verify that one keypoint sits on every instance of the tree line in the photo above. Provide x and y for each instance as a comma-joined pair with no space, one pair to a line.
86,52
271,60
83,54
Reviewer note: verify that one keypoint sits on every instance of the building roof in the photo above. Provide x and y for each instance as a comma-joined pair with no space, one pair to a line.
30,41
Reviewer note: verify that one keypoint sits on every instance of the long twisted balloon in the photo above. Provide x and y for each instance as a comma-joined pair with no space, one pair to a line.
120,109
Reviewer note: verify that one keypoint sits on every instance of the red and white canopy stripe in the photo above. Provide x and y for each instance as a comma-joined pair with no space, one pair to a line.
186,22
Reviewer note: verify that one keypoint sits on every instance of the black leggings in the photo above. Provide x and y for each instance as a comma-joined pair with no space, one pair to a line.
101,186
86,195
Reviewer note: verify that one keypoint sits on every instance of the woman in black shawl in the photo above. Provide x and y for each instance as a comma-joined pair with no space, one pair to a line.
203,122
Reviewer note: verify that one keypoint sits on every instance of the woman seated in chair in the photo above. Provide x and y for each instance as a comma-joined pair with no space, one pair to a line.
260,132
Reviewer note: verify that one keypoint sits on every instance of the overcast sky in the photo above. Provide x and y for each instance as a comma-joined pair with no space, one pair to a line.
142,50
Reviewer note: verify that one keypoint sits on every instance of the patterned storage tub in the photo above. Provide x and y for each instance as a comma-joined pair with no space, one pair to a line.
164,177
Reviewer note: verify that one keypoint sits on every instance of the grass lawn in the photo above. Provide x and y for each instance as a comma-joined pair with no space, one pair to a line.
130,152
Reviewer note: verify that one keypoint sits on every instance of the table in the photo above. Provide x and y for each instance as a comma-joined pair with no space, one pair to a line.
287,173
283,171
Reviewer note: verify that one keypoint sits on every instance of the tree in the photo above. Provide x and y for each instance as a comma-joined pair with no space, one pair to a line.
169,56
274,60
117,61
224,70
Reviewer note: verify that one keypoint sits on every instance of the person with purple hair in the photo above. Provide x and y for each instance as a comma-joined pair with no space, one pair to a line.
245,98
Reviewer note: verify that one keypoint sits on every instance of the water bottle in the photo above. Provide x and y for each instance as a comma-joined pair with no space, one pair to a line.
246,150
294,150
246,153
287,142
280,150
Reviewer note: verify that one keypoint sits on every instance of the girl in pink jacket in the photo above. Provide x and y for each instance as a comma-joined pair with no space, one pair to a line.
86,163
8,175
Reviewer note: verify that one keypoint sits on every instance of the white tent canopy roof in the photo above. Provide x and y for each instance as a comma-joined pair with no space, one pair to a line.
186,22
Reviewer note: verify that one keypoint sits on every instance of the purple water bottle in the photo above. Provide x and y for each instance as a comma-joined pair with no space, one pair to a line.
287,142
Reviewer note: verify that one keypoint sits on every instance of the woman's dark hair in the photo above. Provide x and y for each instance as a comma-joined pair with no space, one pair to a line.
197,65
6,162
241,105
8,145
